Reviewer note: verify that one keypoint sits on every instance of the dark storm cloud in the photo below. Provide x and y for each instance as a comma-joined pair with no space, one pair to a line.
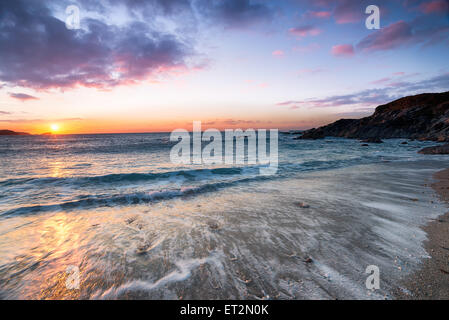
38,50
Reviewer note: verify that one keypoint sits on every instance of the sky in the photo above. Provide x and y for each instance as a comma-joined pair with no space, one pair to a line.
159,65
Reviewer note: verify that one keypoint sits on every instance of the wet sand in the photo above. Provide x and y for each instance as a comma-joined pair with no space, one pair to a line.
432,280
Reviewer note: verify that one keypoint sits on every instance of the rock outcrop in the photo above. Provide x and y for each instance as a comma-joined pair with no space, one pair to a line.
12,133
424,117
444,149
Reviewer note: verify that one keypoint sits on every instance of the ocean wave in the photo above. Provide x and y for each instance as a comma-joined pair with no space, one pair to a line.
110,200
196,174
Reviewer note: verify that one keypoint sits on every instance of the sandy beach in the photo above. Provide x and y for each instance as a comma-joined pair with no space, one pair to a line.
432,280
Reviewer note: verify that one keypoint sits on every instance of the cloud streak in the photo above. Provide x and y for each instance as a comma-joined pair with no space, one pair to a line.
304,31
343,50
22,96
375,97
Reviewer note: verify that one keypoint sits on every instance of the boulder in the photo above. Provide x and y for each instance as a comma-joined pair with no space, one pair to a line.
444,149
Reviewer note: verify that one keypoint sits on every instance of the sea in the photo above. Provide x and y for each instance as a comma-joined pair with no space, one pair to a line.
110,216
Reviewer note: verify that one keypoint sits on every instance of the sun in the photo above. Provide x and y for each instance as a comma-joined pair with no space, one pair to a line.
54,127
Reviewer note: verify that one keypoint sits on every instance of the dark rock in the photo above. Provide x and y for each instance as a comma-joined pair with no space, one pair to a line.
404,142
313,134
422,117
365,145
444,149
12,133
308,260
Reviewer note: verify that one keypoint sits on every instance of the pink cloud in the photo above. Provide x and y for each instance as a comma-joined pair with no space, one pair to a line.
346,18
343,50
380,81
436,6
402,33
305,31
278,53
320,14
292,105
345,11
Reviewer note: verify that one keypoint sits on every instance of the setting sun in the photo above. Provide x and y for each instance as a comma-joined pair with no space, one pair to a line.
54,127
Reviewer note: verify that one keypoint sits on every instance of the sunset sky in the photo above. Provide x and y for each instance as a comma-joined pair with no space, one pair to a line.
158,65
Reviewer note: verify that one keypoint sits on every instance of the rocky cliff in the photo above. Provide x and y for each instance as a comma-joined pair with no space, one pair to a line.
424,117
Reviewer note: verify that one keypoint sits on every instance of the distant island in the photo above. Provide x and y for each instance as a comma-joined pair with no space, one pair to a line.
12,133
421,117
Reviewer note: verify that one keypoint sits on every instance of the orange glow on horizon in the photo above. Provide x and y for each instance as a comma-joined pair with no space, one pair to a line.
130,125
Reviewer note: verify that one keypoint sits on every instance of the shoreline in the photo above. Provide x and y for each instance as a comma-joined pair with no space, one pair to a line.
431,281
